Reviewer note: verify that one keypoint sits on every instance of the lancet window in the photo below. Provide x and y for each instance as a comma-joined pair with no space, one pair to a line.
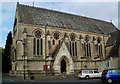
37,44
86,46
73,45
99,48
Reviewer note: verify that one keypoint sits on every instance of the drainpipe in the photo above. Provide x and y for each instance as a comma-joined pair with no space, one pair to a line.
24,45
45,50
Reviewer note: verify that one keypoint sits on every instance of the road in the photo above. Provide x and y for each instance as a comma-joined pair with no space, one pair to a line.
52,81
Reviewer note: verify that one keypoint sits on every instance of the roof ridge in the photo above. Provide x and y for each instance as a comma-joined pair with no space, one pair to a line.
53,10
101,20
115,31
66,13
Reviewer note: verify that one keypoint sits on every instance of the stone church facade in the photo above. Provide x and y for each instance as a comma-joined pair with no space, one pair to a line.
66,42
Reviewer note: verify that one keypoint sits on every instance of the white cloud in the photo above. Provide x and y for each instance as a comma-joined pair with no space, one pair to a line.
2,45
8,12
4,33
104,11
8,6
6,29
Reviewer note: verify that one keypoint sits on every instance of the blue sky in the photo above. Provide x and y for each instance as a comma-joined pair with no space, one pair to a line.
100,10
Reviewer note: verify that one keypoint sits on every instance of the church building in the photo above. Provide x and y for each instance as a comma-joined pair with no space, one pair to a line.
56,41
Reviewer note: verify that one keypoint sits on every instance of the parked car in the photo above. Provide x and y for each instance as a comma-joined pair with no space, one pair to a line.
110,75
89,74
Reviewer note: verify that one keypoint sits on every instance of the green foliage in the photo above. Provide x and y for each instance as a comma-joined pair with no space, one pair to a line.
1,49
6,64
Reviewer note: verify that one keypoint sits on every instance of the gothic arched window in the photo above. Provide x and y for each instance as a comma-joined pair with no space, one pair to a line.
86,46
37,44
73,45
99,48
56,40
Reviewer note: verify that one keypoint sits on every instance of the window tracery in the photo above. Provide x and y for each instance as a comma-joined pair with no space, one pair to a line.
73,45
86,46
38,34
56,37
37,43
99,47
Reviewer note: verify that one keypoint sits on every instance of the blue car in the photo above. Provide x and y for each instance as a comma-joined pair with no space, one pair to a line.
110,75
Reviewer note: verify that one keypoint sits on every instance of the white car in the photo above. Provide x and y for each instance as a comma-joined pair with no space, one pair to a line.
89,74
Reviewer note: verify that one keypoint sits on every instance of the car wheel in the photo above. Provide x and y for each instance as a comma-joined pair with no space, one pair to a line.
87,77
109,80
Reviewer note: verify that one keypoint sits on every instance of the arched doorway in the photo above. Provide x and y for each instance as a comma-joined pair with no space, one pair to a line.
63,66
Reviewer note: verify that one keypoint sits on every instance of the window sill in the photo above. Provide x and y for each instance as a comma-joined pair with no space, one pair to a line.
37,55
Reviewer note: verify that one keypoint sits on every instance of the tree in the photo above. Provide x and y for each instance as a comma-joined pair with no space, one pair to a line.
1,52
1,49
6,64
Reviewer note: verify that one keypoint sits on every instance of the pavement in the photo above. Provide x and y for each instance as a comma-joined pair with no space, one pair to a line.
57,78
53,80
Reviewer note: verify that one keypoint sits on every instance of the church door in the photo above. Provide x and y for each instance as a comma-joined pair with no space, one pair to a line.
63,66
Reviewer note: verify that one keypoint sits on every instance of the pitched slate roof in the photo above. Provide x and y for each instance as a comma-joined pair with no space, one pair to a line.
41,16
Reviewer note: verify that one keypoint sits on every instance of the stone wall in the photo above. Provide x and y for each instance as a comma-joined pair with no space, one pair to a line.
36,63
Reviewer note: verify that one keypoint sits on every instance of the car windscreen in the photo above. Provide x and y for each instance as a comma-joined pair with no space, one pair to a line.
118,71
105,72
96,72
113,71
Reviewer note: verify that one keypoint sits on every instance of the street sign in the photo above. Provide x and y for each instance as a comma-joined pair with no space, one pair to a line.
46,67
